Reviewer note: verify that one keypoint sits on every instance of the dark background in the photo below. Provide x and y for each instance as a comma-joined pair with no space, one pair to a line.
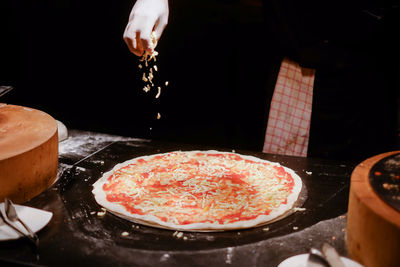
68,58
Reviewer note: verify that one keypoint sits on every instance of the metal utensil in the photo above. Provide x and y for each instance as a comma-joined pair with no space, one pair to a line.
317,259
5,89
4,221
12,215
332,256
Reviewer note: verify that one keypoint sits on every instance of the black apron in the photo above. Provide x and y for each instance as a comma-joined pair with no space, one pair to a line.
353,49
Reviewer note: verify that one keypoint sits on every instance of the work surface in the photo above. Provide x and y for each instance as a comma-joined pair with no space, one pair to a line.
77,236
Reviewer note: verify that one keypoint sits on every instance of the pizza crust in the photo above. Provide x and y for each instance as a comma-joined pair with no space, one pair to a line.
151,220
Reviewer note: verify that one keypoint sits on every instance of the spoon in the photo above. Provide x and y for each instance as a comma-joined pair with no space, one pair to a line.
317,259
3,221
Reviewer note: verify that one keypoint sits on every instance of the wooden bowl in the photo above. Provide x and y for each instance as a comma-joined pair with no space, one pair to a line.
28,152
373,226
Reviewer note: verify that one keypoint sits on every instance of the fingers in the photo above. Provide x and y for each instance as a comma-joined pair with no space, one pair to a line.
137,35
132,40
145,35
146,16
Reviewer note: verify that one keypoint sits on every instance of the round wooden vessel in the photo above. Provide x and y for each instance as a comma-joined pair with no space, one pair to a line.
373,226
28,152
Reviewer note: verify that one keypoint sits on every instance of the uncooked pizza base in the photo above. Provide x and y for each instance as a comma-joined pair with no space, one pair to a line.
151,220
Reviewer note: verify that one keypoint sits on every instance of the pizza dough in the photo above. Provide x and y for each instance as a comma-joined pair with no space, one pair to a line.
198,190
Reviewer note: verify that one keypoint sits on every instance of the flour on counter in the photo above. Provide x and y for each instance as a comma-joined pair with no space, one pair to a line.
83,143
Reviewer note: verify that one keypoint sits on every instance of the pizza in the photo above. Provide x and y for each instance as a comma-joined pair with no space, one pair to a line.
198,190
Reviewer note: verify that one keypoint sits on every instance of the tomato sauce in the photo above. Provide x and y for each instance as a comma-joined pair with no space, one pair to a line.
194,206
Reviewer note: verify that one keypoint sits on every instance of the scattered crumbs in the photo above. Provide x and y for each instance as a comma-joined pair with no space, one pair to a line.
185,238
333,237
342,217
124,234
298,209
266,229
80,169
166,83
140,66
158,116
164,257
150,128
101,214
177,234
155,67
344,230
343,165
233,151
238,233
308,173
295,228
92,213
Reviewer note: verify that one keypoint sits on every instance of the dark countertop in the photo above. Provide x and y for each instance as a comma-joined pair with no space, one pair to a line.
77,236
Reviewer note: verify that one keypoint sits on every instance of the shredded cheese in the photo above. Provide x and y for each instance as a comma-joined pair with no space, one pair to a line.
148,76
180,187
101,214
124,234
158,92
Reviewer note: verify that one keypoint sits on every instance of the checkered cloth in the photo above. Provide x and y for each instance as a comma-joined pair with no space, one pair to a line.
289,118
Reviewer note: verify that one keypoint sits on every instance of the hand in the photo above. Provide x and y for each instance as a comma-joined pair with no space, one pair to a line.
146,16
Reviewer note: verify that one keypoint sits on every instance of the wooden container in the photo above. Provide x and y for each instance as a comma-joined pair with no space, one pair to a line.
28,152
373,226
